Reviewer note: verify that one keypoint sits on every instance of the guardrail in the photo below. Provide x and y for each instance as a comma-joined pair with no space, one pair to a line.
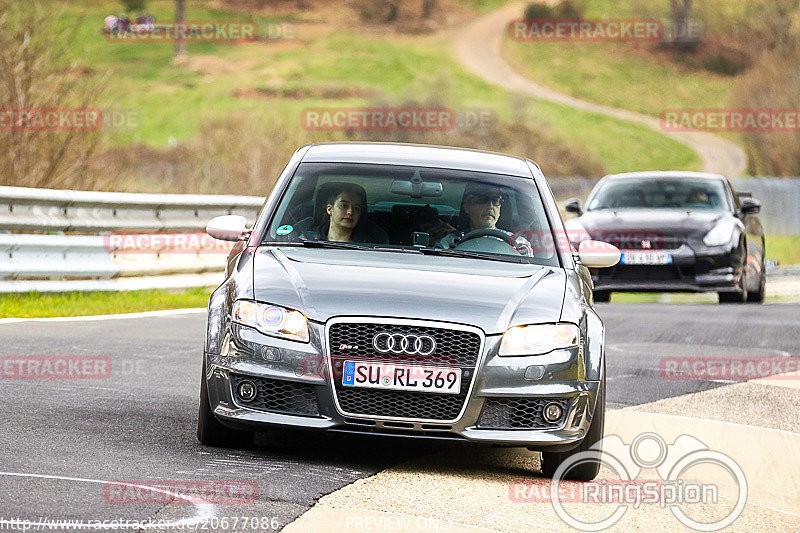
84,253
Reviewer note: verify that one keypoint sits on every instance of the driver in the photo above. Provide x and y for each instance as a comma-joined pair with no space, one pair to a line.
480,209
697,196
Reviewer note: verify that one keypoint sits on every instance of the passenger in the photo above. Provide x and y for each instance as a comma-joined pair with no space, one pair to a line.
343,213
342,218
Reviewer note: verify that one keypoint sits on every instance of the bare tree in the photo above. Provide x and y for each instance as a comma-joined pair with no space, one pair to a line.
429,7
180,43
681,11
36,74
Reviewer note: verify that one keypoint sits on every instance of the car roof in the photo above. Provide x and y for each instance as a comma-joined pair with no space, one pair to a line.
425,155
666,174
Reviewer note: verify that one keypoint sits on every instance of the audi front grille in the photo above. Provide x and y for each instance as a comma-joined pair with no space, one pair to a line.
402,342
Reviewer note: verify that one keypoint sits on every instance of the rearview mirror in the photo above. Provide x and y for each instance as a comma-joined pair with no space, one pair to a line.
598,254
228,228
573,205
416,188
750,206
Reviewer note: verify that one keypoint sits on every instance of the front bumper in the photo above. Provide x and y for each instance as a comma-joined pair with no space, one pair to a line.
299,368
707,270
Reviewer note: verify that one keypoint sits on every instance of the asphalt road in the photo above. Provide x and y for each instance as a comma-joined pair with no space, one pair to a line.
138,423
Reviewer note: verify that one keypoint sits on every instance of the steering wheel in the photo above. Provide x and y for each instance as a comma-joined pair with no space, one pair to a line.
478,233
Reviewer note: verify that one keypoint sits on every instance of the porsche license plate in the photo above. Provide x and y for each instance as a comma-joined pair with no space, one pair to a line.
646,258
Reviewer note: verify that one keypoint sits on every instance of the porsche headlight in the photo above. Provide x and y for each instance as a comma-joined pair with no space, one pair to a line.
721,234
539,339
271,319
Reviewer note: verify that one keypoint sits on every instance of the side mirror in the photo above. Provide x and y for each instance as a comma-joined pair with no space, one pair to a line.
598,254
228,228
573,205
750,206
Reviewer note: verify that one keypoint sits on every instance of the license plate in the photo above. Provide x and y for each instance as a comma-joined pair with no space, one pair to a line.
646,258
439,379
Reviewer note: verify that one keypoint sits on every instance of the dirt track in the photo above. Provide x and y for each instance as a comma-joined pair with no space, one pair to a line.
477,46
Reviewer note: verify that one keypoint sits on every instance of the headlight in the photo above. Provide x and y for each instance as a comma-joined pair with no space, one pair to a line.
539,339
721,234
271,319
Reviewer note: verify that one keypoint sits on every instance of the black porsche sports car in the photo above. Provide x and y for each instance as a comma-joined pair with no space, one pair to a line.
678,231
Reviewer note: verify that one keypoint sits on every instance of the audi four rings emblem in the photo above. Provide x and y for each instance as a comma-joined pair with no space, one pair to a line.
386,342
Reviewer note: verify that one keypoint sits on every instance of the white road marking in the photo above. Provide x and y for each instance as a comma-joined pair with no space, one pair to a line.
204,511
121,316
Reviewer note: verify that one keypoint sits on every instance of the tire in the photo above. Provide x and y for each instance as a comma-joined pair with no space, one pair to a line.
602,296
210,431
736,297
585,471
757,297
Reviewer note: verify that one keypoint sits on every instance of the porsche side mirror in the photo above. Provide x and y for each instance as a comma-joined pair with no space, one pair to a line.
573,205
750,206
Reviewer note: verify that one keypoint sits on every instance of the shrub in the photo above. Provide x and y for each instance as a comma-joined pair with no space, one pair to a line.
134,6
539,10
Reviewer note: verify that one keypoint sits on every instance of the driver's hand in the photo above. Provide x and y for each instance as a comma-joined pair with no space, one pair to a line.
523,246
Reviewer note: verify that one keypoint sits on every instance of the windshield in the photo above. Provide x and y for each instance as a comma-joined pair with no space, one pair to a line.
653,193
444,212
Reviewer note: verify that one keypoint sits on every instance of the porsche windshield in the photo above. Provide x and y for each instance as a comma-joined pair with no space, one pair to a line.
414,209
651,193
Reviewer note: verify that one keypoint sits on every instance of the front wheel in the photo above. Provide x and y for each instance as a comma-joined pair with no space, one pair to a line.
602,296
586,470
757,296
210,431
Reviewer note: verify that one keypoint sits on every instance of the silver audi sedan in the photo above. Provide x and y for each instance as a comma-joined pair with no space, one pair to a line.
412,291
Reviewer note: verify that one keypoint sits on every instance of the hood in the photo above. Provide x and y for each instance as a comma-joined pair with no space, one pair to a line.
667,222
324,283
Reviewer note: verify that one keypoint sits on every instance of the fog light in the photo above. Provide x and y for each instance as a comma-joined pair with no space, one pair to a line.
247,391
552,412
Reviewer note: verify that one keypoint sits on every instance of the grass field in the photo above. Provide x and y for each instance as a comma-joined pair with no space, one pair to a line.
625,75
784,248
27,305
175,101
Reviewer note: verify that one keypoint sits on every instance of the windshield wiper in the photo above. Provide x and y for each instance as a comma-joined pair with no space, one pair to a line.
318,244
345,245
474,255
